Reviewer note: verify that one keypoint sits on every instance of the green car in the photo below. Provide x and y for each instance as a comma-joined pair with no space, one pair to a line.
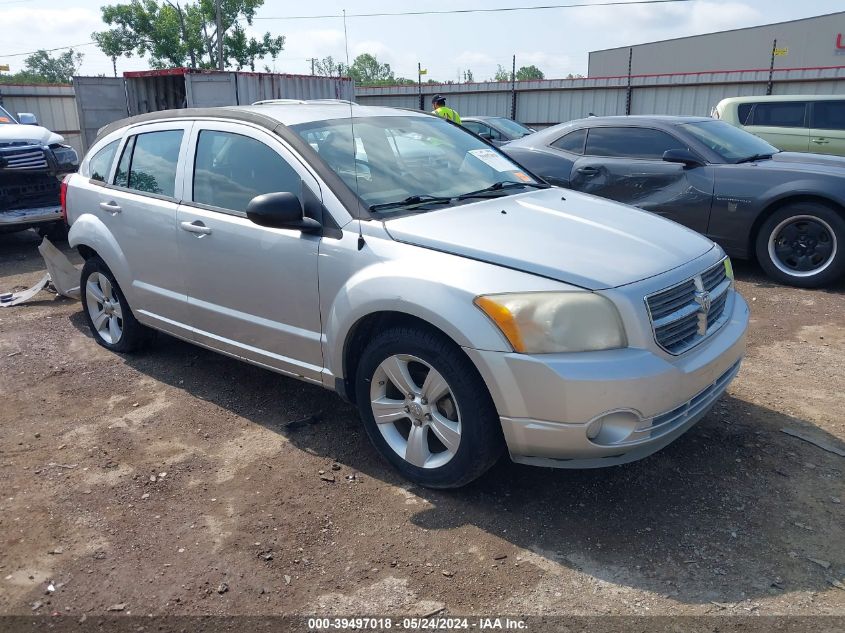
794,123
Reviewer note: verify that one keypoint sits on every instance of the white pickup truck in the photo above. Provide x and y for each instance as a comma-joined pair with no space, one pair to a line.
33,161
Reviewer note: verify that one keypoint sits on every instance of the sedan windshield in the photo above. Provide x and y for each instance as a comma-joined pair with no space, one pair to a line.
513,129
404,161
5,117
731,143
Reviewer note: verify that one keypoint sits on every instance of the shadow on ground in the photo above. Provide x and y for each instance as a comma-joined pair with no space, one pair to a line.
730,506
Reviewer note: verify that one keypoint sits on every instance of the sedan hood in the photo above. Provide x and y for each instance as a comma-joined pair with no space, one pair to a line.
556,233
34,134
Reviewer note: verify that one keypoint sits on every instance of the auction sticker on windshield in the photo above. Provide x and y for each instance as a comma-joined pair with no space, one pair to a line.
493,159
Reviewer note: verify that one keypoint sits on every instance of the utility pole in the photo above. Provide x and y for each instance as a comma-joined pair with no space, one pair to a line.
629,91
419,84
769,85
513,89
313,61
220,62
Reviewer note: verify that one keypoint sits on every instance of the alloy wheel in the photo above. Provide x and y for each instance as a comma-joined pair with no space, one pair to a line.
104,308
416,411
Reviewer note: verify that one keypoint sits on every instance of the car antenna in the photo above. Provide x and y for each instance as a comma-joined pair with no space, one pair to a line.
352,127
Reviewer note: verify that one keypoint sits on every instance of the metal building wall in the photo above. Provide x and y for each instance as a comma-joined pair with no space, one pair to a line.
54,106
544,103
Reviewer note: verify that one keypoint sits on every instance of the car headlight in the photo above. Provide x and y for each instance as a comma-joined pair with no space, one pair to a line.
547,322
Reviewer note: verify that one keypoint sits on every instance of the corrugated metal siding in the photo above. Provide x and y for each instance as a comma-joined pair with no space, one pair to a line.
543,103
254,87
54,106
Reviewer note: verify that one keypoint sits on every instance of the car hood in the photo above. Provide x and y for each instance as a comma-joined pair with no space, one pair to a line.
556,233
806,162
34,134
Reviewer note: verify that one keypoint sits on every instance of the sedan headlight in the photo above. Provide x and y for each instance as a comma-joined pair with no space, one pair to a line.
547,322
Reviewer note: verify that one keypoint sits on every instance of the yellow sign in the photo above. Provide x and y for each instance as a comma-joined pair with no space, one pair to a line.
781,52
423,71
4,67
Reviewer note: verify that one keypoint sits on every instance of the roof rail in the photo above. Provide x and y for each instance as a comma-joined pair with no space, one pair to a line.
302,101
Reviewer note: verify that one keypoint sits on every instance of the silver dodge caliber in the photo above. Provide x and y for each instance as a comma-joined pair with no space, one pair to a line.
465,306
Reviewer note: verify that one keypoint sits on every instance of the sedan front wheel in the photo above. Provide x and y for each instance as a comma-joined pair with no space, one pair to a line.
803,244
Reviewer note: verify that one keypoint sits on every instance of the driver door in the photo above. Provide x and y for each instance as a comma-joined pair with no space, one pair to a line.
626,164
252,290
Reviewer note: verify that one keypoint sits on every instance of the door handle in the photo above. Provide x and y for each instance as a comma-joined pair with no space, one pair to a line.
110,207
820,141
195,227
588,171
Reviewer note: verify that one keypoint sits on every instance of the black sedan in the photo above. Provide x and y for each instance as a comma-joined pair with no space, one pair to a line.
496,129
787,209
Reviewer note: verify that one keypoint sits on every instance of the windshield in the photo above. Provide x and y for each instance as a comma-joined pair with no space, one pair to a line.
5,117
512,128
731,143
399,158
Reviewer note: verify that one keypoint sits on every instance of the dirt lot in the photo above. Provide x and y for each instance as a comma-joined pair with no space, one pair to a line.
179,481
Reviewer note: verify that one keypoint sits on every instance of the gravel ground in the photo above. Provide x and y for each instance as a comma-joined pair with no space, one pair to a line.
179,481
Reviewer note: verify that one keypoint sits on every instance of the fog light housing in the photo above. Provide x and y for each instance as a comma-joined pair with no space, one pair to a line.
613,428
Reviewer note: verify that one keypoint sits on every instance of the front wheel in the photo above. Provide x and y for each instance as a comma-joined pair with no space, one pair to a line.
426,409
803,244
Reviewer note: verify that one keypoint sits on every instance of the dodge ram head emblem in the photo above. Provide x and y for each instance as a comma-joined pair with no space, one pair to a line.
703,299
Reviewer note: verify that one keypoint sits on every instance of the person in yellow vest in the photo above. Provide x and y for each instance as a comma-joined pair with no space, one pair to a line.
440,109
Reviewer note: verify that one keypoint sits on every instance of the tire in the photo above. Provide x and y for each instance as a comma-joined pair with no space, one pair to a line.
449,442
803,244
106,311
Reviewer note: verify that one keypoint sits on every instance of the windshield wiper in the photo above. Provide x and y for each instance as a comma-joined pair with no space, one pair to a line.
411,200
500,186
751,159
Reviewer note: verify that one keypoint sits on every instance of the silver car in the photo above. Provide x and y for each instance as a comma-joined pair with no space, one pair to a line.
464,305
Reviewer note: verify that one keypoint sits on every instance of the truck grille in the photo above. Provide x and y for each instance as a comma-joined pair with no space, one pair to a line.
23,158
685,314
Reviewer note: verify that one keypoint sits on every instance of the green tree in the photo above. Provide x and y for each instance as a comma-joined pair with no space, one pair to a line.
41,67
468,76
328,67
366,70
526,73
501,74
175,34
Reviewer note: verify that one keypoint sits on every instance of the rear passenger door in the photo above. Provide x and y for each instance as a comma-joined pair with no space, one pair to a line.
827,127
626,164
783,124
252,290
138,206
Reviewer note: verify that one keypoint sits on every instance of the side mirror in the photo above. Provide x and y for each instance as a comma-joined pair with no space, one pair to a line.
281,210
27,118
486,136
683,156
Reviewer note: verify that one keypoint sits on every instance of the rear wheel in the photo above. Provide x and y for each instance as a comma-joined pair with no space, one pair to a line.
426,409
803,244
108,314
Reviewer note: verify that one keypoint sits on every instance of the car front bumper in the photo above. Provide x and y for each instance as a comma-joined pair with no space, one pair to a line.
597,409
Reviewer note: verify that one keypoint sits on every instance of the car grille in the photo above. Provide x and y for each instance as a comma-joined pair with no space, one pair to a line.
685,314
24,158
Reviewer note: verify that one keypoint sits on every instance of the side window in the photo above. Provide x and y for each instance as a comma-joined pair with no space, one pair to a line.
100,163
789,114
149,162
231,169
473,126
829,115
630,142
743,113
572,142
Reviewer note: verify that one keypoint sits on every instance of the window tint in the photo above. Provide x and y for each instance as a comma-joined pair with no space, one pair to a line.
149,162
790,114
230,170
100,163
829,115
630,142
572,142
743,112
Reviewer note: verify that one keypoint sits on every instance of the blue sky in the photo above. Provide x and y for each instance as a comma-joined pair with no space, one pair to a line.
556,40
